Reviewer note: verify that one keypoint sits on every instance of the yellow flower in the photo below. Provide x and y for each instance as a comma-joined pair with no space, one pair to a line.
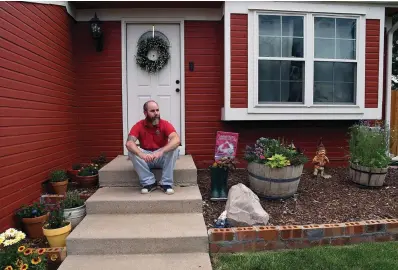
21,248
36,260
8,268
24,267
28,251
54,257
40,251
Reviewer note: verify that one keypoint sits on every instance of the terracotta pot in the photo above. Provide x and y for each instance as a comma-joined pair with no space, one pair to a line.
33,226
87,181
57,237
60,187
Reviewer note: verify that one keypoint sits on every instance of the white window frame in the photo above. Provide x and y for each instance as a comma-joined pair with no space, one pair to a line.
308,106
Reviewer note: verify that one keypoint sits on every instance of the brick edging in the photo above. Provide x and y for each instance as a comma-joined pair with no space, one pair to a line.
260,238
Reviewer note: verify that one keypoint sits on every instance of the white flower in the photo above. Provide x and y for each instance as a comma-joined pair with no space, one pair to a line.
11,232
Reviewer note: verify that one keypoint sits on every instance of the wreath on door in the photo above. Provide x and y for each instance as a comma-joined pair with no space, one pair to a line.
152,54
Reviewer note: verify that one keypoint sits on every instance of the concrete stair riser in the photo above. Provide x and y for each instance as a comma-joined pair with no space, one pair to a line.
129,200
120,173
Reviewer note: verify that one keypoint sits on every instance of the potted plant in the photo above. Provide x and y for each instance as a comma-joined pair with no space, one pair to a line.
57,228
59,181
369,154
88,176
219,175
274,168
101,161
72,172
33,218
74,208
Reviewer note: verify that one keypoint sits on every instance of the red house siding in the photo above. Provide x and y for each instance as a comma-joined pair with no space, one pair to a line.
99,92
38,113
239,61
372,63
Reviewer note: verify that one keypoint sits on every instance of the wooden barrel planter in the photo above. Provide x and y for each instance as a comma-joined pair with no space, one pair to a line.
372,177
274,183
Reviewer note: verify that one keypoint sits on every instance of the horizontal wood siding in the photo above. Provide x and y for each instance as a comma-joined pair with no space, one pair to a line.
38,126
239,60
99,87
372,63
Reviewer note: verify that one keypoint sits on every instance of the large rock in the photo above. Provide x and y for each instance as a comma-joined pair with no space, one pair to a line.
244,208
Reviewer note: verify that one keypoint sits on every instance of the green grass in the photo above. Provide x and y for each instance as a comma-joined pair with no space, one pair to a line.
378,256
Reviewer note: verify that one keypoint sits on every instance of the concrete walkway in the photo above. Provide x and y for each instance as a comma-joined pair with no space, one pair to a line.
124,229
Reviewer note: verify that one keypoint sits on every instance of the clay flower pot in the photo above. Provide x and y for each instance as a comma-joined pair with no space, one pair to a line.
60,187
57,237
33,226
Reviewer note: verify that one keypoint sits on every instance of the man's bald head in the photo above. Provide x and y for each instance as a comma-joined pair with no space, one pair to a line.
145,107
151,111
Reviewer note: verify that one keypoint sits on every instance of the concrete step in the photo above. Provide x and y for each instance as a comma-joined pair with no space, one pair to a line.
129,200
138,234
120,173
180,261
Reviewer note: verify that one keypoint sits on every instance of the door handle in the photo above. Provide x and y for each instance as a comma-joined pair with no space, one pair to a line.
177,90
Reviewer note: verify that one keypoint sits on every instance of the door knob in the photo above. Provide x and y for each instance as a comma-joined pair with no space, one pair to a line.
177,81
177,90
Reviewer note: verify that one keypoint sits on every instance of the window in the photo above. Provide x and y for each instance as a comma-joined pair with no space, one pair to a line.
281,58
334,60
305,59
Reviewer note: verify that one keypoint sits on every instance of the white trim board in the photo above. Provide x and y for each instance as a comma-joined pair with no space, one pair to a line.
198,14
124,23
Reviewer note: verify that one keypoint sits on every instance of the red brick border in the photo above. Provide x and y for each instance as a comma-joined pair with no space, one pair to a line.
260,238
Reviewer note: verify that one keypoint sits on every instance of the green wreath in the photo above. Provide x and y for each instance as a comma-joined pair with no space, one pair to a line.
152,43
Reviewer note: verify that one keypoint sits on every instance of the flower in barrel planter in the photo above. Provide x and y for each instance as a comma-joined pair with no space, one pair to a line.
369,154
74,208
101,161
57,228
59,181
88,175
14,254
274,168
219,176
33,218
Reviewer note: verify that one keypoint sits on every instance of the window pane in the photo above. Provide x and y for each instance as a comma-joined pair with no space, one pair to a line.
292,26
346,28
292,70
344,93
345,49
292,47
324,27
345,72
324,48
323,92
269,70
291,91
269,91
269,25
280,81
323,71
270,46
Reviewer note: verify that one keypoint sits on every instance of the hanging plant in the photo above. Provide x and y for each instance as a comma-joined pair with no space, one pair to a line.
152,54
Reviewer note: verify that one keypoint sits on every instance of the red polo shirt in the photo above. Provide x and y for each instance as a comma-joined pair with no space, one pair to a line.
152,137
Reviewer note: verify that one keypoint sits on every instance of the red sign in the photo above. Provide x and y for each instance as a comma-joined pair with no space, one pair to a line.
226,144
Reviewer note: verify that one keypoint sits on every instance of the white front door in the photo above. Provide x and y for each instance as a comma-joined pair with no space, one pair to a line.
164,86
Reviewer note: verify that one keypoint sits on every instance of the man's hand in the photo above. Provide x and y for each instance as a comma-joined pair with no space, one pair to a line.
158,154
147,157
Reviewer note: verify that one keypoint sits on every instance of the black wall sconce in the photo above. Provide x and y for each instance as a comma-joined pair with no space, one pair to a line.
96,32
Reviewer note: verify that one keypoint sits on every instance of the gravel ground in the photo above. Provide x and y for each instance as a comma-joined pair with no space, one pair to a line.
318,201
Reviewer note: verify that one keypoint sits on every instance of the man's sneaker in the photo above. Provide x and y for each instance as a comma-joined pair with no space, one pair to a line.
149,188
167,189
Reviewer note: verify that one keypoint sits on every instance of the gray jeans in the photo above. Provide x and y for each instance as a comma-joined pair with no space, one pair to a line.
165,162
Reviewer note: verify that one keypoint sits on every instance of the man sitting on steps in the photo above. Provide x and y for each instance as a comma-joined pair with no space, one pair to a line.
159,143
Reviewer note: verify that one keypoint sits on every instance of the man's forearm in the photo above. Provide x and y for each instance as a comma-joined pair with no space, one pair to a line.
131,146
171,145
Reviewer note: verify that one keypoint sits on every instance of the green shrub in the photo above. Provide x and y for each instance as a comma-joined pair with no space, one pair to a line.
58,176
369,146
72,200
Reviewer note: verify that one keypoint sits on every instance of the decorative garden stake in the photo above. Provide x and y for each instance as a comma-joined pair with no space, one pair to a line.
320,161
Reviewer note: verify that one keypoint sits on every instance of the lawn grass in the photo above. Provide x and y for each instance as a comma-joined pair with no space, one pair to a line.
378,256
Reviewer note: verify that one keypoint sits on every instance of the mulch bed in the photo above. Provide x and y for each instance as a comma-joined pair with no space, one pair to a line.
318,201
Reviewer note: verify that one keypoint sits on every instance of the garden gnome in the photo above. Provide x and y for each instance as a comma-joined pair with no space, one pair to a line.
320,160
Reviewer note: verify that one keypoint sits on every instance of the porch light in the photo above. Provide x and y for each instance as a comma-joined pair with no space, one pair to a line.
96,32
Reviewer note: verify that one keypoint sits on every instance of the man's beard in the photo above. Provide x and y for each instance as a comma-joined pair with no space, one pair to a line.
153,120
